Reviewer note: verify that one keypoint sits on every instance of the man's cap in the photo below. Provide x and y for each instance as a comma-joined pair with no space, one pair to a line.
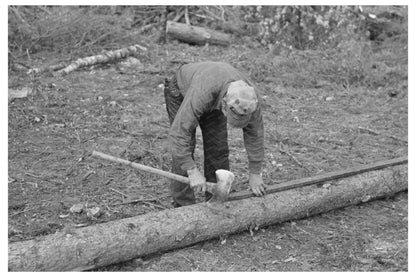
241,100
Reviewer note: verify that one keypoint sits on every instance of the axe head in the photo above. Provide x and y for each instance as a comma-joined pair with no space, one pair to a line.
222,189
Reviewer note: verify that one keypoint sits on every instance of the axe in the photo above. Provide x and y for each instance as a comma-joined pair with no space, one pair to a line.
220,190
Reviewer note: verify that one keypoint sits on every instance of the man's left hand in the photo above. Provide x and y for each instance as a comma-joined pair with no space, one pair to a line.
256,184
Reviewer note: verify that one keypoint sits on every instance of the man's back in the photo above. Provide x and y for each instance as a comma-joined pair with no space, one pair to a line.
212,75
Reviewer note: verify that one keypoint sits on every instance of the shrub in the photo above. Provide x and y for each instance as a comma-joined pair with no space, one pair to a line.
64,28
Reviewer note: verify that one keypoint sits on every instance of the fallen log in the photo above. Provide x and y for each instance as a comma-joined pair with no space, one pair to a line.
109,56
53,67
196,35
112,242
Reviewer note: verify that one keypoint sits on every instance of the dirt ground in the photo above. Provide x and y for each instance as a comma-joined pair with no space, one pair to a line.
119,109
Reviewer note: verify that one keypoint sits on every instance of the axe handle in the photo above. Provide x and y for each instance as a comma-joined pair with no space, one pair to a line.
145,168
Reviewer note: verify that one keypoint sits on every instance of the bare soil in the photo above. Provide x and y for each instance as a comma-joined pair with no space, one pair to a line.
119,109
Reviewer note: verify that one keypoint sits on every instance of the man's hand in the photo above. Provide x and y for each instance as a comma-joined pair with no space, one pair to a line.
256,184
196,180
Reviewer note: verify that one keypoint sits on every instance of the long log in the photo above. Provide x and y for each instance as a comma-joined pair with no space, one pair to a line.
112,242
196,35
103,58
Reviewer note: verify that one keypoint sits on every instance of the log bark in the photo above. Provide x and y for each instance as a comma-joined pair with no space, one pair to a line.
196,35
112,242
42,69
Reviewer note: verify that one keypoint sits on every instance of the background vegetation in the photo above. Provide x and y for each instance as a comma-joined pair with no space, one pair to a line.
306,46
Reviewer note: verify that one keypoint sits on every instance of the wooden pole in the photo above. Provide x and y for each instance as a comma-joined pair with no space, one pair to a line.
112,242
318,179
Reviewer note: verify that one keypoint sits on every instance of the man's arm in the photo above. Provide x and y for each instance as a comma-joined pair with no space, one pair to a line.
254,143
182,132
182,136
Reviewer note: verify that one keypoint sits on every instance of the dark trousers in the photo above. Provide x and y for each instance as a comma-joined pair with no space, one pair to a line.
214,135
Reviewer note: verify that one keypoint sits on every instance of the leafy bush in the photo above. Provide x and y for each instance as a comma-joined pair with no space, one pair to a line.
305,27
330,46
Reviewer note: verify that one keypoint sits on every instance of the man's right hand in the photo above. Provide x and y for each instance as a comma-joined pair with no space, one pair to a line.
196,180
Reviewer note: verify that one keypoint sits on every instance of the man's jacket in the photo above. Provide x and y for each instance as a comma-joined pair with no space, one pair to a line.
203,85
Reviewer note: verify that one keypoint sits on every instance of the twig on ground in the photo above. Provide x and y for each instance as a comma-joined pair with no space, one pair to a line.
187,16
108,207
22,211
308,145
45,10
183,256
152,204
295,238
119,192
144,201
95,41
85,177
130,200
91,138
306,232
386,206
292,157
178,16
33,175
45,178
398,251
78,136
368,131
375,133
206,9
396,138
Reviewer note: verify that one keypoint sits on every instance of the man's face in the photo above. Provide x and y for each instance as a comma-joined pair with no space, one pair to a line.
226,112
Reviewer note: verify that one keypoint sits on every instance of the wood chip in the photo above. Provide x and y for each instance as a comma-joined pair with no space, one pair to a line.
77,208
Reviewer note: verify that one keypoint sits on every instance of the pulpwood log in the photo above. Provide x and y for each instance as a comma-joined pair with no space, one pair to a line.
105,57
116,241
196,35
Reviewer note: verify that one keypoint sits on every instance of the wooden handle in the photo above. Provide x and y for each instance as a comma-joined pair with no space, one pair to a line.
145,168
